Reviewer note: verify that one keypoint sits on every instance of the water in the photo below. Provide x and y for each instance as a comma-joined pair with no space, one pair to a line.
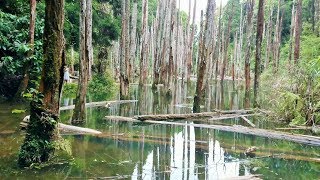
129,150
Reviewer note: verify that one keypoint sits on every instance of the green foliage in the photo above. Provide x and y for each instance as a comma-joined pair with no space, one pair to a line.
102,87
70,90
14,46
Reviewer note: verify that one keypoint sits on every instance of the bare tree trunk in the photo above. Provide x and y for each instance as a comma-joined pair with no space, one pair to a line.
227,40
42,129
89,47
269,39
257,68
205,54
190,46
124,79
235,53
292,29
298,28
248,51
219,44
24,83
133,43
85,41
144,42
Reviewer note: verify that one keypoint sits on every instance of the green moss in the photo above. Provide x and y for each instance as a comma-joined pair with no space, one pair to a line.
38,145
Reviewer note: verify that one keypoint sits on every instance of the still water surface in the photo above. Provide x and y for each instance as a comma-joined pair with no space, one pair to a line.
129,150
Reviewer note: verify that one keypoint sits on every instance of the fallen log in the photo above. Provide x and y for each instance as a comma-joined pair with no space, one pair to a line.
235,114
99,104
248,121
309,140
63,128
76,129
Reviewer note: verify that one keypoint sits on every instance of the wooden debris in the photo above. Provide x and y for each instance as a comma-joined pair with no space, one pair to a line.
217,113
250,177
248,121
99,104
64,129
309,140
76,129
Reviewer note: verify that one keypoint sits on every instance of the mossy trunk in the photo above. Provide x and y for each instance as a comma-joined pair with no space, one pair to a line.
38,145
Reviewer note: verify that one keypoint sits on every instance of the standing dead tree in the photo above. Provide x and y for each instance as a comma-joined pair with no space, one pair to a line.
249,28
85,59
144,44
124,54
297,32
258,68
205,54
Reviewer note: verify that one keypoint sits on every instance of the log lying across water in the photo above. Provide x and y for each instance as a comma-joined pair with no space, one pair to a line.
99,104
64,129
212,115
309,140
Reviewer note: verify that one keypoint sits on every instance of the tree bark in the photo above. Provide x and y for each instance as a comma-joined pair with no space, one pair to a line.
124,80
292,29
298,28
205,54
248,52
42,130
258,51
85,58
133,43
144,43
227,40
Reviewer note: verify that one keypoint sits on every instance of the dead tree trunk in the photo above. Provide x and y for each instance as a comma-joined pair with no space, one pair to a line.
38,146
205,54
292,29
133,43
144,43
85,60
190,46
219,42
298,28
248,51
24,83
257,68
227,40
124,79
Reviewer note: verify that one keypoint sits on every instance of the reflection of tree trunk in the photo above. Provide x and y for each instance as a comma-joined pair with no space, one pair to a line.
24,83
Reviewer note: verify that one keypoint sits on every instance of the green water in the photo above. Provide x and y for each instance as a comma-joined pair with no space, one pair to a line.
129,150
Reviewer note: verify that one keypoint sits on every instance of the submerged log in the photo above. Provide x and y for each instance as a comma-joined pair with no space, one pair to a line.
100,104
309,140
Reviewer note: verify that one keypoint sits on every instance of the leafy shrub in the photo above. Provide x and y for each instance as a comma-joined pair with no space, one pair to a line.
102,87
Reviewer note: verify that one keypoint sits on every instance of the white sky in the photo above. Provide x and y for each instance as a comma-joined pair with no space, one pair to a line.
201,5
